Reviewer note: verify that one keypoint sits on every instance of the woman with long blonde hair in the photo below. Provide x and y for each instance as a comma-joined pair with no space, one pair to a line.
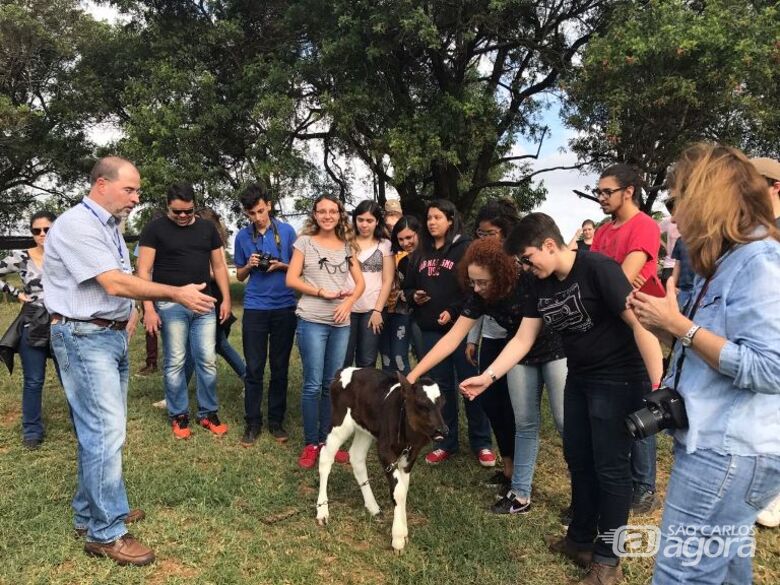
323,260
725,366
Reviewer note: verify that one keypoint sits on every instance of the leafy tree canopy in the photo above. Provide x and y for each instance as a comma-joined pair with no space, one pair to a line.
666,73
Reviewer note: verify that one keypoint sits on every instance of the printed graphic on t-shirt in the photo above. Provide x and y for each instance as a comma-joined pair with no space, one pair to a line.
373,263
565,311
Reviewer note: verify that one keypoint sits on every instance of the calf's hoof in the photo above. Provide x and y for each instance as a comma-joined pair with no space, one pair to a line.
398,544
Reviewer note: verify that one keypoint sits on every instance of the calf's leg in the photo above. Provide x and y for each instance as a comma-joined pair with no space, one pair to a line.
357,456
400,531
335,439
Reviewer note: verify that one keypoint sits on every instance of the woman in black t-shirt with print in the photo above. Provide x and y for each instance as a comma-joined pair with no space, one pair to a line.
582,296
499,292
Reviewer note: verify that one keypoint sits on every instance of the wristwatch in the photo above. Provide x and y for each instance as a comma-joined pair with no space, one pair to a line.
491,373
687,339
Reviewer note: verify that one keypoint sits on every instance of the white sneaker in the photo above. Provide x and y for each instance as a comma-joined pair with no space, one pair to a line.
160,404
770,516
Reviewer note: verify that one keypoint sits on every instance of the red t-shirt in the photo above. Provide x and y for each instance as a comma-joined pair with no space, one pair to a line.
638,234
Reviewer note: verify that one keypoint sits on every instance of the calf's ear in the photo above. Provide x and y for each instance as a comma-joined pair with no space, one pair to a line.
405,385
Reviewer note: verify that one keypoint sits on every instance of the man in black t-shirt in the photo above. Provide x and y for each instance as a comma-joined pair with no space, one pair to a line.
180,249
582,296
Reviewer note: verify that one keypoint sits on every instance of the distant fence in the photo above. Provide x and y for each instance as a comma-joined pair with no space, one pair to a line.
24,242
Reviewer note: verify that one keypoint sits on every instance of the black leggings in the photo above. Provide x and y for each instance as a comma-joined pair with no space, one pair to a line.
495,400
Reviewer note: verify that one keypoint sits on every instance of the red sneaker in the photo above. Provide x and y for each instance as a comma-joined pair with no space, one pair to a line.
308,456
486,458
211,422
341,455
181,427
437,456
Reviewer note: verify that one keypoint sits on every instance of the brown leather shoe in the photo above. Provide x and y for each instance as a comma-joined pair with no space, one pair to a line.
134,515
125,550
602,575
581,556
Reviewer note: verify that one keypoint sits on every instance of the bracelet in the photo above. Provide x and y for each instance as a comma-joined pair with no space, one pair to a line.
376,311
319,290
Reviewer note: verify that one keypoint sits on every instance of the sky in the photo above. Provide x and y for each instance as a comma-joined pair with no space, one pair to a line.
561,204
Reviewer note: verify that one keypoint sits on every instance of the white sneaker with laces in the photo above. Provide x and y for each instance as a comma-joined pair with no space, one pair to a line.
770,516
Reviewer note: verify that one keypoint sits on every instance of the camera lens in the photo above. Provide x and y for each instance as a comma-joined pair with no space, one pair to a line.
644,423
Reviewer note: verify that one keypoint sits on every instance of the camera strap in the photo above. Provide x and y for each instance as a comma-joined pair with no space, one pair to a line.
274,230
691,314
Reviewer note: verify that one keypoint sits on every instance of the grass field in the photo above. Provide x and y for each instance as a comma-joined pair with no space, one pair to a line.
219,513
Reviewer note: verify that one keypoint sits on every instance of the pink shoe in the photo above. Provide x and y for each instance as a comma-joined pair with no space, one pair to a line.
437,456
486,458
308,456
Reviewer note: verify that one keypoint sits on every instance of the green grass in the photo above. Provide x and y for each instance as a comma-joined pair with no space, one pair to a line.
218,513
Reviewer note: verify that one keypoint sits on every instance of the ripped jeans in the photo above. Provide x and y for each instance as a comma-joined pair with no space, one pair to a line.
394,342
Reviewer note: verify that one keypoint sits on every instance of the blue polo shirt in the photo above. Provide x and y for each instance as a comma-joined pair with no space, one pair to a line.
266,291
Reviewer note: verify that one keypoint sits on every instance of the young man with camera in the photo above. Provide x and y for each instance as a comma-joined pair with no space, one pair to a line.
262,251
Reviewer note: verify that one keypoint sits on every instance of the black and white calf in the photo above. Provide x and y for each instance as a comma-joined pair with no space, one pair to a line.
402,417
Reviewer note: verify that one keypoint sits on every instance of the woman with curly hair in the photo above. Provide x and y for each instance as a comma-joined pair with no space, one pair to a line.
500,292
321,265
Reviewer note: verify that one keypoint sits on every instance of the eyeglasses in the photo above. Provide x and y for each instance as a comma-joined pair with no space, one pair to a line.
487,233
607,193
327,212
189,211
481,283
39,231
524,260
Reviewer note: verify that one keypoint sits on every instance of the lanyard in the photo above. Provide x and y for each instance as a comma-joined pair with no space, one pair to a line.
691,314
117,239
277,238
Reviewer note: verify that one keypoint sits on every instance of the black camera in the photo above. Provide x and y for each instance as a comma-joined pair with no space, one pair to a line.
665,410
264,261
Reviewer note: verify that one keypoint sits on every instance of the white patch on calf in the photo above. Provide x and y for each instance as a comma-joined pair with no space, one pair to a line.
346,376
432,392
393,387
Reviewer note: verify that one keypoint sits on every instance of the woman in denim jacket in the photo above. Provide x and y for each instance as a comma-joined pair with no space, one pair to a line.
727,462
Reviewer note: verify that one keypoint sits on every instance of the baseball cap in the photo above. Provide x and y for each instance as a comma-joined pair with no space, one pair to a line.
767,167
393,206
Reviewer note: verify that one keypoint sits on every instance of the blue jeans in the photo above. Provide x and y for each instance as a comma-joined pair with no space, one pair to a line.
323,348
230,355
363,345
95,370
710,493
596,445
267,334
448,374
34,369
525,391
394,343
183,328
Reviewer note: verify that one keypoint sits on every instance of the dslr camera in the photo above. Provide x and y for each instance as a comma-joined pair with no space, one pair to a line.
665,410
264,261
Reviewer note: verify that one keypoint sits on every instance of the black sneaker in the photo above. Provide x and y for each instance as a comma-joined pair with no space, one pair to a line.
277,432
644,501
509,504
497,480
251,432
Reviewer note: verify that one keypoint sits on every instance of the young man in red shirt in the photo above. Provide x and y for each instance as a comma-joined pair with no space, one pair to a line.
632,239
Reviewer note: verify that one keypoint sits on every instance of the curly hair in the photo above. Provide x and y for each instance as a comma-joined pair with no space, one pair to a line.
344,230
488,253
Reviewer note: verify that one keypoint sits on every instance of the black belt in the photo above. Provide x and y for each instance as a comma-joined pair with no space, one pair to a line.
115,325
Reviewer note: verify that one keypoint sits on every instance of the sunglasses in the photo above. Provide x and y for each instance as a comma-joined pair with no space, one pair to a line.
189,211
39,231
524,260
607,192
